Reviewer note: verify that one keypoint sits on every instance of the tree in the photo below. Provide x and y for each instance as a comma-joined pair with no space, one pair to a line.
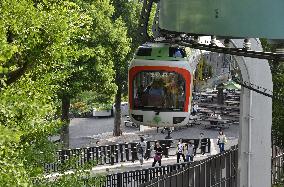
109,44
277,70
48,49
27,120
120,67
37,33
129,13
38,39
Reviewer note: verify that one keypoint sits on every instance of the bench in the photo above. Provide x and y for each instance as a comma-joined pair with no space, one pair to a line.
217,123
129,123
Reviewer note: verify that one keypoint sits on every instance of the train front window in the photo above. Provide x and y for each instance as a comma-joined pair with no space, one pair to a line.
158,90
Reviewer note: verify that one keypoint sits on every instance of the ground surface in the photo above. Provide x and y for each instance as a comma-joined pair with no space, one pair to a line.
85,132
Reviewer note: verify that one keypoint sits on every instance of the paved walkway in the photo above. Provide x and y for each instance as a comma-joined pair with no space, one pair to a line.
89,138
130,166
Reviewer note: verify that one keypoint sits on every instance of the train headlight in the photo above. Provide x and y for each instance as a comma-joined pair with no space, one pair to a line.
177,120
138,117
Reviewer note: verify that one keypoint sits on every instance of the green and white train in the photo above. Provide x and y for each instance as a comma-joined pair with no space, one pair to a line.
160,84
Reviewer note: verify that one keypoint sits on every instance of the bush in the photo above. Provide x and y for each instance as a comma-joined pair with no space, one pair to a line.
80,109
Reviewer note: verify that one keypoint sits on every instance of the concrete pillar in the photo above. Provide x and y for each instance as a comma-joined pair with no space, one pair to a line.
254,168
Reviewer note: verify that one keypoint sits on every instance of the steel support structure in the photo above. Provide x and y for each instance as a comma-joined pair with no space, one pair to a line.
254,168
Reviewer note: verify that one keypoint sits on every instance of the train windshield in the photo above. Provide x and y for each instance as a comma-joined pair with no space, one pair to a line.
159,90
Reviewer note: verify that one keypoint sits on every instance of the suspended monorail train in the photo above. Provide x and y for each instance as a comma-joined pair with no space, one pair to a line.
160,84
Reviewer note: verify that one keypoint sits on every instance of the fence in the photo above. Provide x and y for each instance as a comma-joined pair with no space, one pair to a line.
138,177
277,164
218,170
111,154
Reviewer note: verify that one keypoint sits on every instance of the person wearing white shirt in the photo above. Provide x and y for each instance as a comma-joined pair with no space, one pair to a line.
180,151
194,109
190,152
141,150
222,140
219,117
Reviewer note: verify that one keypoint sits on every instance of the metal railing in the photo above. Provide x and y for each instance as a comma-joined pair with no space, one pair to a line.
111,154
138,177
277,164
217,170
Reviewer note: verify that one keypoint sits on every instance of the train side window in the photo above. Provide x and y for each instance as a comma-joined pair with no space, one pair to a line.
144,52
177,52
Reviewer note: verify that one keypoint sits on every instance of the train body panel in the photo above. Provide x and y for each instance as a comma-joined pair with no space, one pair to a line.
163,119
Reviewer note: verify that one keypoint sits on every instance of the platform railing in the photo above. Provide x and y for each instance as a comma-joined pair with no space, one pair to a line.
138,177
214,171
217,170
277,164
112,154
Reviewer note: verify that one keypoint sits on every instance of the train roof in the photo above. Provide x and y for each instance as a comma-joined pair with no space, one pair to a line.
161,51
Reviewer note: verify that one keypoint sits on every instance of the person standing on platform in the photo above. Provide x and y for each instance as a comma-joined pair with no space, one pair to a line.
180,151
190,152
203,143
194,109
141,150
222,140
158,154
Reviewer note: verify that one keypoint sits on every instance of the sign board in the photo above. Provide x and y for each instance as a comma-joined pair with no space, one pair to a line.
231,18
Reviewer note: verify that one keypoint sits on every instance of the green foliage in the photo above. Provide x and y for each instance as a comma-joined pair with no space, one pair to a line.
110,45
204,70
95,70
43,44
277,70
50,49
76,179
157,119
129,12
84,103
79,176
35,34
126,14
11,172
26,121
80,109
101,107
151,19
278,111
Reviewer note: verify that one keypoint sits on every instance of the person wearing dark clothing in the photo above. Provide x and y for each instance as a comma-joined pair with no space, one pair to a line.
203,143
158,154
167,146
180,151
139,96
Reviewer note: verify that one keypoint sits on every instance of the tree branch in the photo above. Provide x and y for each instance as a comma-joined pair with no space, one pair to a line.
15,75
